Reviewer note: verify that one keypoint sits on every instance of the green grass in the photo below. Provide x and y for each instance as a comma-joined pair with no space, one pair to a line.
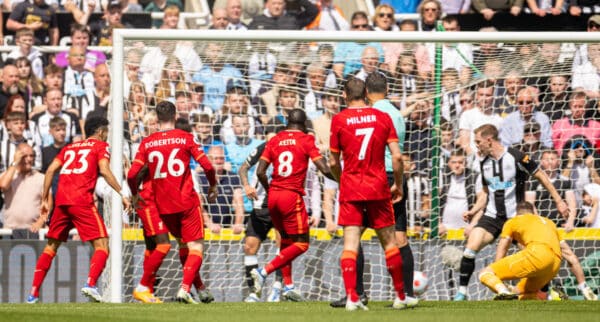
483,311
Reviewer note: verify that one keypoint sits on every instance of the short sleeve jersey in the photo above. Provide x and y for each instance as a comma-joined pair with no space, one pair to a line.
168,155
289,152
361,136
79,171
27,13
532,229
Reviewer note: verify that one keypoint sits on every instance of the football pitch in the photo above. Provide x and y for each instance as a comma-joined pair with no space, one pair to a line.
480,311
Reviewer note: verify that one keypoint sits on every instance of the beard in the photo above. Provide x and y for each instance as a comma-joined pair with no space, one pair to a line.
13,89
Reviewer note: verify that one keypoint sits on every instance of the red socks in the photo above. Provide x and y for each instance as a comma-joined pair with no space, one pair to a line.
286,256
41,269
152,264
348,264
394,266
183,254
191,268
97,264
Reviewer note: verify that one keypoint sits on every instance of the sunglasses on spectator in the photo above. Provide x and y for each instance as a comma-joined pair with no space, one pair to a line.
389,15
593,25
523,102
365,26
77,55
199,89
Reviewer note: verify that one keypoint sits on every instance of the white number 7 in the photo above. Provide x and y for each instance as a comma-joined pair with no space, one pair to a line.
367,133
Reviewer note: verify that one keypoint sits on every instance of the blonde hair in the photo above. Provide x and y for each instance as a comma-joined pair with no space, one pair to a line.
171,10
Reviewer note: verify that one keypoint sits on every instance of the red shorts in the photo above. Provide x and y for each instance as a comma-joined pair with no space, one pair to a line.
187,225
379,213
288,212
151,221
86,219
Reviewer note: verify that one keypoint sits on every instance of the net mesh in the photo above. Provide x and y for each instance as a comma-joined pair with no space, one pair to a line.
235,93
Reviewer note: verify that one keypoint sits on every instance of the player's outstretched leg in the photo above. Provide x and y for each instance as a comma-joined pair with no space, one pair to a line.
97,264
467,267
41,269
489,279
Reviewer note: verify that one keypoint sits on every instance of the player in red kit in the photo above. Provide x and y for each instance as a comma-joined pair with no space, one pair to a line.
168,153
289,152
79,165
359,135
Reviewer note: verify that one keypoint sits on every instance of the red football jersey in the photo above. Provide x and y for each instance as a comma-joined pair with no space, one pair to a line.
289,152
361,136
79,171
168,154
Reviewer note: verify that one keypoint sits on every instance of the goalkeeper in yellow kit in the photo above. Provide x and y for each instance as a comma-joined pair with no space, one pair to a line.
535,265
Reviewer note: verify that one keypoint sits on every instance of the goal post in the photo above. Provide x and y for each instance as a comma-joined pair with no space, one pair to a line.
226,253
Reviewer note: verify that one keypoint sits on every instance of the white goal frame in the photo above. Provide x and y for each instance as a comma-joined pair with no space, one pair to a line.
117,68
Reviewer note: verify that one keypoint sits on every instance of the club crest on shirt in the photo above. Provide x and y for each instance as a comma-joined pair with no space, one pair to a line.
525,159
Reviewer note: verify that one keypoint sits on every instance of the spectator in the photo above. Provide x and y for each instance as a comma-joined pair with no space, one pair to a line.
488,8
24,41
487,51
531,143
269,99
172,81
215,74
16,103
541,7
457,56
347,55
406,79
219,19
451,108
384,20
53,79
22,188
198,107
128,6
133,57
541,198
275,17
482,113
10,86
112,18
261,67
575,124
80,37
458,191
58,131
506,98
228,209
581,54
466,100
183,104
38,16
53,101
101,90
555,99
418,200
170,18
447,142
16,125
160,6
431,11
330,17
81,9
28,82
591,198
419,142
78,84
585,76
144,127
580,164
369,61
287,100
202,127
313,100
234,15
325,53
513,126
236,103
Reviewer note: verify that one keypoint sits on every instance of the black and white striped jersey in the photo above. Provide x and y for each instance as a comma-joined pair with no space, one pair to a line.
505,179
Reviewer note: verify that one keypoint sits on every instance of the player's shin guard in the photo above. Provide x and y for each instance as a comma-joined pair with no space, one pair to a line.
152,264
286,256
191,268
408,269
250,263
360,268
97,264
467,267
394,266
41,269
348,264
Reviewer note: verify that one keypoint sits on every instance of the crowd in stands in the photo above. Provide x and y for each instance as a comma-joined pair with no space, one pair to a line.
542,97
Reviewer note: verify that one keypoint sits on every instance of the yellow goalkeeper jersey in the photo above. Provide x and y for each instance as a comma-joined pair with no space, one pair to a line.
532,229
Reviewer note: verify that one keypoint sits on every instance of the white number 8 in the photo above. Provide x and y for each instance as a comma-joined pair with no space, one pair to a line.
175,167
285,164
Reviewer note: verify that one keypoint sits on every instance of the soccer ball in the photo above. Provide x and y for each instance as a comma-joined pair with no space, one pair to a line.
420,283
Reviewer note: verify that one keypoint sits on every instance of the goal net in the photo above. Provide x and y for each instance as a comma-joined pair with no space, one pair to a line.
234,89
